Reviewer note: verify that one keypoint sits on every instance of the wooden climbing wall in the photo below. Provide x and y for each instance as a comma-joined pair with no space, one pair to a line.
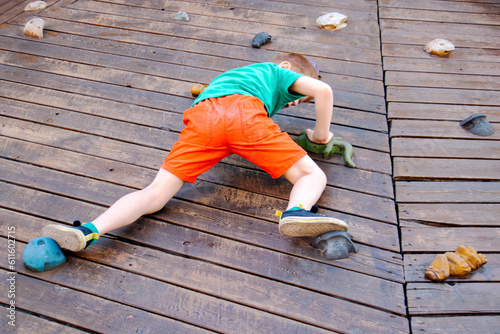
446,178
88,114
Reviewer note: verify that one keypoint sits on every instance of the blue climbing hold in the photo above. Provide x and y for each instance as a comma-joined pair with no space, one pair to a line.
43,254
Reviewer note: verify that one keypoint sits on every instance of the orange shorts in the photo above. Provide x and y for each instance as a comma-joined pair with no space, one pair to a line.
233,124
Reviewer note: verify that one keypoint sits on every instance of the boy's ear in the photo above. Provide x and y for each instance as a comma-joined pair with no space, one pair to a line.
285,64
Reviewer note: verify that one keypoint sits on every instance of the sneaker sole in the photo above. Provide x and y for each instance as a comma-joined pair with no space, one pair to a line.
304,227
66,237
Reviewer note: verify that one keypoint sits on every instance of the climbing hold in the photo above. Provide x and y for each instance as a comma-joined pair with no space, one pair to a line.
34,27
196,89
261,39
335,245
335,145
458,263
181,16
478,125
440,47
35,5
43,254
332,21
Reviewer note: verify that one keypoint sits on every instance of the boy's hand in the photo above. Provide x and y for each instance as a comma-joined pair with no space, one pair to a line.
312,136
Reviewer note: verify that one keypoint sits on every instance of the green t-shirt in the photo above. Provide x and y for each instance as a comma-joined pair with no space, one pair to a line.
266,81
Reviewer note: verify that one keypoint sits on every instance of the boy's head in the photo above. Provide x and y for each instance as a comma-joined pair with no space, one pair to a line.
297,63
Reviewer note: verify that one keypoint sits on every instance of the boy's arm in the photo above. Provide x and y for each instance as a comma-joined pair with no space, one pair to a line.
323,97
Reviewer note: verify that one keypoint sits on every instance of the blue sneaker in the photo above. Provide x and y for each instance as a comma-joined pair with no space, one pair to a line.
303,223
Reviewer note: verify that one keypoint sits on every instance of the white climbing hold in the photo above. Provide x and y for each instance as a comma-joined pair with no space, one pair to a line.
332,21
440,47
35,5
34,27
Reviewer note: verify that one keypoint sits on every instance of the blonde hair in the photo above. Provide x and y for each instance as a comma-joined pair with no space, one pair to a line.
299,63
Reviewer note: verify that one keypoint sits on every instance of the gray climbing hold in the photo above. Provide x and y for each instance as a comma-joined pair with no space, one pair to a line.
335,245
478,125
261,39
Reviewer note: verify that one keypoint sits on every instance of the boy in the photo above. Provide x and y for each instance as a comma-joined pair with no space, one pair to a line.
233,115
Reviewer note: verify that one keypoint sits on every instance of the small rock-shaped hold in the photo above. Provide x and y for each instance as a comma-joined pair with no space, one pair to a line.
335,245
35,5
440,47
34,27
182,16
261,39
42,254
332,21
196,89
478,125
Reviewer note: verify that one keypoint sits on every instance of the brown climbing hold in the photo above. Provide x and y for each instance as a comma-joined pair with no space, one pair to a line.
196,89
459,263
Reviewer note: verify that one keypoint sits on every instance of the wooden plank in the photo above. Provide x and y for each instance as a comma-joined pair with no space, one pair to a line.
463,36
435,129
85,310
438,64
487,324
423,238
451,112
447,192
487,18
452,214
290,7
441,80
451,6
415,265
442,95
445,148
445,169
453,299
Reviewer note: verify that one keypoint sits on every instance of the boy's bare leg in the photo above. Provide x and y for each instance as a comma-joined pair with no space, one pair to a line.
125,211
309,182
134,205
